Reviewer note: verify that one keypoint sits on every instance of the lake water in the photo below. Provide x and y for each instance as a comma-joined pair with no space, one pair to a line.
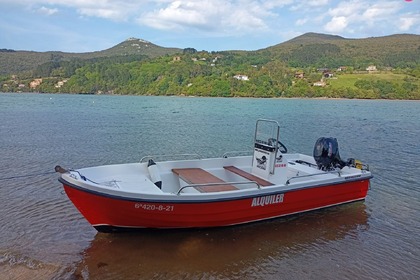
42,236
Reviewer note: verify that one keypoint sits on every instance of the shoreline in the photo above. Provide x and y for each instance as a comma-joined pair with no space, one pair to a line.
227,97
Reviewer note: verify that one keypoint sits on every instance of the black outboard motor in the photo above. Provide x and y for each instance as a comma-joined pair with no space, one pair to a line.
326,154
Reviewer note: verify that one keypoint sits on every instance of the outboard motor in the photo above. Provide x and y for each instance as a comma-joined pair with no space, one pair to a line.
326,154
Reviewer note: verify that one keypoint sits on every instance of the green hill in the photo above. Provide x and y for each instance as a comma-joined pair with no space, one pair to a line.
134,46
321,50
310,49
14,62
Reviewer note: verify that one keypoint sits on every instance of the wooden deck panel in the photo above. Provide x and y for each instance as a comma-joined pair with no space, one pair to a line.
199,176
248,176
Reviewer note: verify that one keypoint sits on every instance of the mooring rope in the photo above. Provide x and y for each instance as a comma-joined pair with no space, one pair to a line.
27,175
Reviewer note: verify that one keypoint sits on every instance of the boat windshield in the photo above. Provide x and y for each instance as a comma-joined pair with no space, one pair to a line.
267,133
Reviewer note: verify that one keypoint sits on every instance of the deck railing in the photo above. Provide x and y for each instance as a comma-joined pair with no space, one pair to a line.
173,157
236,153
314,174
218,184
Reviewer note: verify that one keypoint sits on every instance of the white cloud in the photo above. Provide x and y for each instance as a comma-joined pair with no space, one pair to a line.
242,20
178,14
308,5
347,8
336,25
408,21
317,3
380,12
365,16
271,4
167,14
208,15
301,21
243,17
106,13
117,10
47,11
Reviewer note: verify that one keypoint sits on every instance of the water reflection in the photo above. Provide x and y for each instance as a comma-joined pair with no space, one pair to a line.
221,253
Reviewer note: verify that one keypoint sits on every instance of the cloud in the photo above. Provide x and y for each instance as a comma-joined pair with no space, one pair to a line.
301,21
408,21
380,12
316,3
363,16
106,13
178,14
208,15
337,24
235,15
308,5
242,17
116,10
347,8
47,11
273,4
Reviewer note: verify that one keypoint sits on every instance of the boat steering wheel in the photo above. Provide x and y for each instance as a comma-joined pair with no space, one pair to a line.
282,147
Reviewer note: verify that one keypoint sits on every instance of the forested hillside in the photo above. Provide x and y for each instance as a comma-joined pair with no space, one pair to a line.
14,62
311,65
322,50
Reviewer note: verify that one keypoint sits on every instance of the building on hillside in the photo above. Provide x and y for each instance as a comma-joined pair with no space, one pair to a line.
299,75
320,84
371,68
60,83
327,74
241,77
35,83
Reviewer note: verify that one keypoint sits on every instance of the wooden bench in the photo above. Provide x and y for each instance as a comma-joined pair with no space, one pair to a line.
194,176
248,176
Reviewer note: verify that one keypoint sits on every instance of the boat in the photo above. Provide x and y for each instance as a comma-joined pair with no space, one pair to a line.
229,190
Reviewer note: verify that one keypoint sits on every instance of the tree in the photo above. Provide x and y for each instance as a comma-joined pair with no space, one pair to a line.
189,51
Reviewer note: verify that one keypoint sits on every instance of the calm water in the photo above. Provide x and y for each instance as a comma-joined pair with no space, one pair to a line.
43,236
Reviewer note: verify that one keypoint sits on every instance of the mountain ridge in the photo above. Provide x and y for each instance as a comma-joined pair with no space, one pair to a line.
15,61
313,44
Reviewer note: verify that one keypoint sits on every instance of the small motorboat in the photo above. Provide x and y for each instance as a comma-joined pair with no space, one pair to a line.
230,190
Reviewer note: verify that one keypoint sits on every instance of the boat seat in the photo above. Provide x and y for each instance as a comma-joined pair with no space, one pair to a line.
194,176
248,176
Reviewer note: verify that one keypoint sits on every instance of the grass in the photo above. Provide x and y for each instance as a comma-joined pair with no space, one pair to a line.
348,80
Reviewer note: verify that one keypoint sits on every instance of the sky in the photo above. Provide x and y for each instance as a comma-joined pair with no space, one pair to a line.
94,25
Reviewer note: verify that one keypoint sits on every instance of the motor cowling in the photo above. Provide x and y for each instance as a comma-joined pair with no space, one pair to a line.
326,154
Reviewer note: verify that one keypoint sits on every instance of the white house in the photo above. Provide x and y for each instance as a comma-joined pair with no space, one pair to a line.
371,68
241,77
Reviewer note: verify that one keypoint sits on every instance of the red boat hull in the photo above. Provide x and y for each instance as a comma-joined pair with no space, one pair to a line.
107,213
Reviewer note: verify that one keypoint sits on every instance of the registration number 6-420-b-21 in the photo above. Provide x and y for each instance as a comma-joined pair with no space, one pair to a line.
154,207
